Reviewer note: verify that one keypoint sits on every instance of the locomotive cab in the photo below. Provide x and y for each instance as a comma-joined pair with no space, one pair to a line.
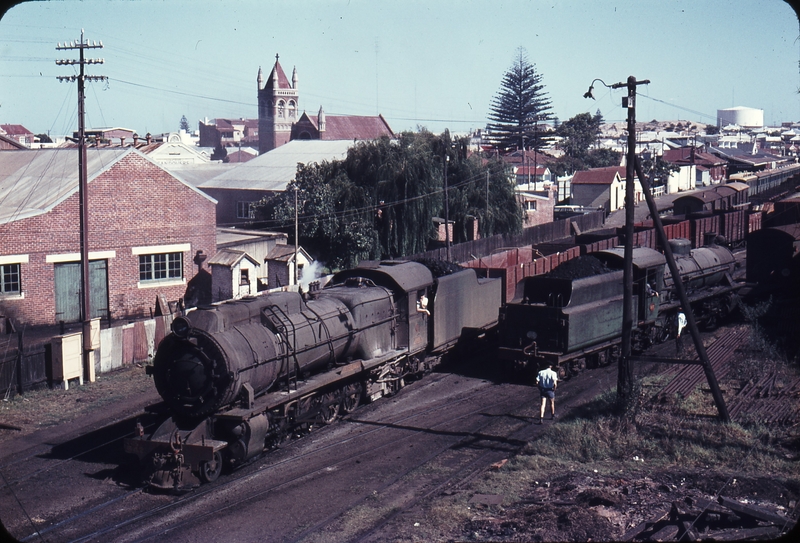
648,278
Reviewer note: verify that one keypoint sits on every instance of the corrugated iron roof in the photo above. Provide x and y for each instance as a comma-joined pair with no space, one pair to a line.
275,169
34,182
598,176
230,257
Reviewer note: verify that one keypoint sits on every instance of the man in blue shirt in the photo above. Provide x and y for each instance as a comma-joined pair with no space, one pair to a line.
547,381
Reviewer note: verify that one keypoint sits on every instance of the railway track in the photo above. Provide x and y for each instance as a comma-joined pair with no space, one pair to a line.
66,527
447,424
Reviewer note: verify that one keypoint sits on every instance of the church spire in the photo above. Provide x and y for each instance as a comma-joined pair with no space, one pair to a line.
260,79
294,78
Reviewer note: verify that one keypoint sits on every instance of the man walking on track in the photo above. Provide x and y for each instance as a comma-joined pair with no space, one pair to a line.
547,381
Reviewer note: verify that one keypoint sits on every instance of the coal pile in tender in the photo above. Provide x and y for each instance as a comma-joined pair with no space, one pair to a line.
578,268
440,268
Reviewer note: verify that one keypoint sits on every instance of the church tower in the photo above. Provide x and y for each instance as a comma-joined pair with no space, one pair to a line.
277,107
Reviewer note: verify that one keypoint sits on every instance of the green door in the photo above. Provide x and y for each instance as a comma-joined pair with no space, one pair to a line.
68,290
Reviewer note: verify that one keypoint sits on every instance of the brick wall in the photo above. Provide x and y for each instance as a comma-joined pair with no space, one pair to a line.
133,203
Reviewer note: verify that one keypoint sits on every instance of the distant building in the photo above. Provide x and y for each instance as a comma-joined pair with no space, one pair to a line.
710,169
228,132
538,205
602,188
238,189
280,121
18,133
745,117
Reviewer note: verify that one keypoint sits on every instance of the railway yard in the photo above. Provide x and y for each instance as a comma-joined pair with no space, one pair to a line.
456,454
452,457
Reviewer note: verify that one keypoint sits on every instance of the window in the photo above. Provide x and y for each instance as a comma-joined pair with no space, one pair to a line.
161,267
530,205
281,106
9,279
244,210
245,277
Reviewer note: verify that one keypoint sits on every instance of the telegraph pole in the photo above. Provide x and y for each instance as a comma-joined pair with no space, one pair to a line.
83,201
625,368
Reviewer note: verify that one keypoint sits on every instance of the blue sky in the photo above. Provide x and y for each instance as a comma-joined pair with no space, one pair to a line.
431,63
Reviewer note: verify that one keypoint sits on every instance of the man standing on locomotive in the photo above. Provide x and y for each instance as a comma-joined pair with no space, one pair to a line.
547,381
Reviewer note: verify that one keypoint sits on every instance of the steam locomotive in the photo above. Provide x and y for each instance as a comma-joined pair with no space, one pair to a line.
572,316
239,377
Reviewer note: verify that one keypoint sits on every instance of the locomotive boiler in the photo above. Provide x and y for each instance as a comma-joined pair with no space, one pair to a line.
572,317
238,377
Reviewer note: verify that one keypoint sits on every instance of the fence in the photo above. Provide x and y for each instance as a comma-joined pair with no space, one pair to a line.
26,361
534,235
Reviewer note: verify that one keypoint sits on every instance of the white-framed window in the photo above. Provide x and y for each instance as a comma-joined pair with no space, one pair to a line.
160,267
10,279
281,108
530,205
245,210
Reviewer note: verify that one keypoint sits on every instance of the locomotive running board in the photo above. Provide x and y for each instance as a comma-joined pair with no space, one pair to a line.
274,399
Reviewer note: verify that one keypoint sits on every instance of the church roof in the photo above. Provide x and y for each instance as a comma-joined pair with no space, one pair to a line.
350,127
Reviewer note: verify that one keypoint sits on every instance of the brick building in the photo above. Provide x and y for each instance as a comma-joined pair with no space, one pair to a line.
145,225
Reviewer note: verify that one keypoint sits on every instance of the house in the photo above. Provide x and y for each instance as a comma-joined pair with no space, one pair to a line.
228,132
280,120
238,189
8,143
233,275
108,135
538,205
710,169
18,133
533,178
281,267
144,226
602,188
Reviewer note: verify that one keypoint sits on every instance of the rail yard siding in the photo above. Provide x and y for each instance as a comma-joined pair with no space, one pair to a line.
133,203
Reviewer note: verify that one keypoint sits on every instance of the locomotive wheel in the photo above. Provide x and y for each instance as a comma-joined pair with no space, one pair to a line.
329,409
209,471
351,399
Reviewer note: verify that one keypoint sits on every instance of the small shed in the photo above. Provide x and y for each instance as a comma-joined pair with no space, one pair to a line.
233,275
280,266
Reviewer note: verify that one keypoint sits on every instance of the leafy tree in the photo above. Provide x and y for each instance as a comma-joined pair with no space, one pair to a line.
518,107
658,170
712,129
601,158
43,138
578,135
220,153
185,124
380,201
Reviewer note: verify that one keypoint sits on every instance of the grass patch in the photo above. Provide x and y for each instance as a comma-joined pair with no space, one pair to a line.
47,407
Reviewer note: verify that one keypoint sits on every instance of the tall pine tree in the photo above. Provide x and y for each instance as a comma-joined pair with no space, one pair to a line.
520,104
